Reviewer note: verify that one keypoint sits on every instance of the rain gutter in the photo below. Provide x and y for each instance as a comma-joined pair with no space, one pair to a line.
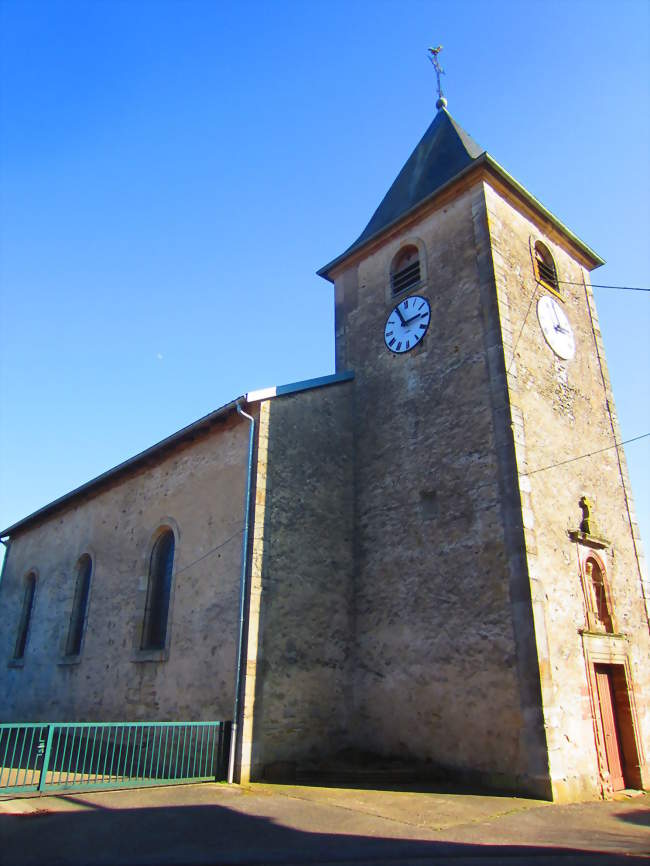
242,597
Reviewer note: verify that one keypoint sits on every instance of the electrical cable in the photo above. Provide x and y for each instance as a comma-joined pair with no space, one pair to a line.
493,483
514,349
602,286
588,454
210,552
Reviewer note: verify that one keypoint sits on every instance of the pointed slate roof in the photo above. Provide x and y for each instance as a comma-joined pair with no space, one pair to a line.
444,150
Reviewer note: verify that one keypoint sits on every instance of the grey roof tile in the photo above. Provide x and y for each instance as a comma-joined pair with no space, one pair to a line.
443,152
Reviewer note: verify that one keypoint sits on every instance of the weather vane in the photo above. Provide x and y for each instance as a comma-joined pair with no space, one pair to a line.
433,57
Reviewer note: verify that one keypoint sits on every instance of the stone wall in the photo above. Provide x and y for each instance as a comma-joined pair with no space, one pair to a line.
296,693
560,410
198,490
445,668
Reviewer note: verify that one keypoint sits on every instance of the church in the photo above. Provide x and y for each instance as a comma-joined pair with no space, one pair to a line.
430,556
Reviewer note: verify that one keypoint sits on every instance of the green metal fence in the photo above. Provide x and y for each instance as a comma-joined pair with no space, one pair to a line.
52,756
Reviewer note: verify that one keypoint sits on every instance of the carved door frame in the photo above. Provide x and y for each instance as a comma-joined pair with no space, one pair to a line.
609,651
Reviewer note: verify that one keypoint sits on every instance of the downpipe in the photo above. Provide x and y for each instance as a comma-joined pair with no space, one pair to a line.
7,546
242,598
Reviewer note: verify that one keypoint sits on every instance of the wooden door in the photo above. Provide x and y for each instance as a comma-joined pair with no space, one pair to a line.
607,702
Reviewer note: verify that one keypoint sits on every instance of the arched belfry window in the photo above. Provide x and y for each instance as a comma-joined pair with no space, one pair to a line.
79,606
161,564
25,616
600,614
405,269
545,270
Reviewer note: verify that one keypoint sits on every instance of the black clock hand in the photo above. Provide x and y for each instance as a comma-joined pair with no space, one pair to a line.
399,313
558,326
413,318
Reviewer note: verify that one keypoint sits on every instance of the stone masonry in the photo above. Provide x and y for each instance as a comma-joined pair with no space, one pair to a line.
441,672
297,689
562,409
192,491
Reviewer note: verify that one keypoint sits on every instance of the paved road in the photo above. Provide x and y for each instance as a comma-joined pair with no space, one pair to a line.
201,825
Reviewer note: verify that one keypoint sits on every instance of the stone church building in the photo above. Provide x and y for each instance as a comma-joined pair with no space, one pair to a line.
410,558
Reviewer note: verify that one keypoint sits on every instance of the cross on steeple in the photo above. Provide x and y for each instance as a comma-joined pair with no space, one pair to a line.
433,57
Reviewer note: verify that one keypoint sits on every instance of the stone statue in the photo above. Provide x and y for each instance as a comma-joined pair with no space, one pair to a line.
585,505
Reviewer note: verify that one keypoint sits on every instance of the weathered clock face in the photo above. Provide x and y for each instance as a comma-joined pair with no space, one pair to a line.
407,323
556,328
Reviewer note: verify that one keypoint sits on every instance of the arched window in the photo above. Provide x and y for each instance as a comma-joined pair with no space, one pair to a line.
154,628
25,616
405,269
600,615
545,268
79,606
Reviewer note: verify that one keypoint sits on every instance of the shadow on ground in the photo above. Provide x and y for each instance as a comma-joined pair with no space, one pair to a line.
96,835
640,817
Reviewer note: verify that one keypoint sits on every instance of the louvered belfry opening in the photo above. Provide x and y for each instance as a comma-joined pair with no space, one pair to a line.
546,272
405,270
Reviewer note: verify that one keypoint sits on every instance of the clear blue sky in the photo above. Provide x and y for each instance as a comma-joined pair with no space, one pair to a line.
173,173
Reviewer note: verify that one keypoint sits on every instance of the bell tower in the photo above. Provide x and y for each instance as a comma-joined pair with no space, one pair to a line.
465,310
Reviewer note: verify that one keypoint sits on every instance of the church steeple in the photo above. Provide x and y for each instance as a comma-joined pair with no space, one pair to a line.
444,154
444,151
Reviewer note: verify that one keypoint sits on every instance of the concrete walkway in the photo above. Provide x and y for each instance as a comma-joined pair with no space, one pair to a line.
196,825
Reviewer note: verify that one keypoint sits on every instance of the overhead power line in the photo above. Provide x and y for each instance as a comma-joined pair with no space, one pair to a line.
210,552
521,330
588,454
601,286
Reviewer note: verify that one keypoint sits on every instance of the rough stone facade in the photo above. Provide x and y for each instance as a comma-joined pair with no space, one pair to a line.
562,409
192,491
302,579
472,645
439,661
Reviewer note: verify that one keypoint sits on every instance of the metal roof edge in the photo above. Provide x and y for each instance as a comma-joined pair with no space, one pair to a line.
295,387
538,206
483,159
170,441
355,248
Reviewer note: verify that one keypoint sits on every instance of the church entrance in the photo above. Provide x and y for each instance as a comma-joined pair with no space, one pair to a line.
617,726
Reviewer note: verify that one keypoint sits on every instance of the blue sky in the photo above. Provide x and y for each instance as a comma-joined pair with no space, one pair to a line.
173,173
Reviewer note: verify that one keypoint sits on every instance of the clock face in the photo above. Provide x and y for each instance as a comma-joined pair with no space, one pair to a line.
556,328
407,324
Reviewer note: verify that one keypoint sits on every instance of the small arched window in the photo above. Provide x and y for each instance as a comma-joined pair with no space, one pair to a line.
405,269
79,606
25,616
161,563
600,613
545,268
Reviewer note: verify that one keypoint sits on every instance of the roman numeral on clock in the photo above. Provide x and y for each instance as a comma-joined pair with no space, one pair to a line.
403,335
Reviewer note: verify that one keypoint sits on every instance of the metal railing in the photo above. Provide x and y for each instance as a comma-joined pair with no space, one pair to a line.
91,755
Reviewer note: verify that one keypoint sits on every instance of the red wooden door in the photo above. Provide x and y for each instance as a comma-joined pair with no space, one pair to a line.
605,686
